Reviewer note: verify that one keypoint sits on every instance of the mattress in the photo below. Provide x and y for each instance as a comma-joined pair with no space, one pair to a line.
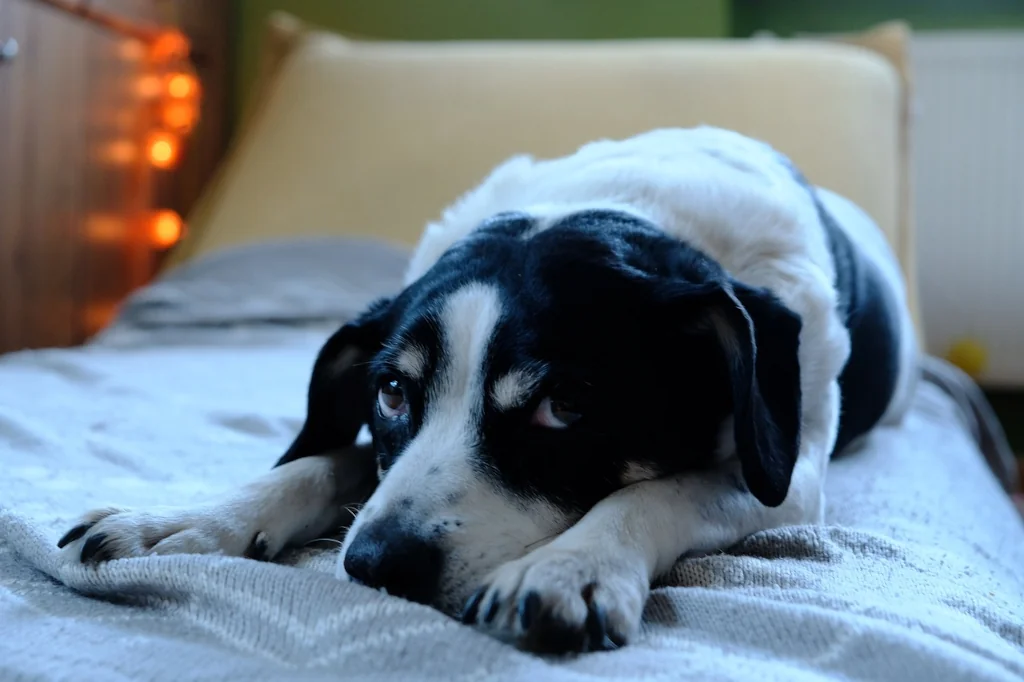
200,385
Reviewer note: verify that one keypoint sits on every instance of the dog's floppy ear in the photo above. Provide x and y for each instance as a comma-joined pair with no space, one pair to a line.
337,403
760,337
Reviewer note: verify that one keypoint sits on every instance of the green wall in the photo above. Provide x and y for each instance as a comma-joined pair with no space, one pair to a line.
786,17
582,19
480,19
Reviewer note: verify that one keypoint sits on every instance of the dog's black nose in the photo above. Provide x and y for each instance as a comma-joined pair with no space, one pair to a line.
385,554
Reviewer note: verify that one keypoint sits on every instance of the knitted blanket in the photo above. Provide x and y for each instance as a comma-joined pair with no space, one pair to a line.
918,574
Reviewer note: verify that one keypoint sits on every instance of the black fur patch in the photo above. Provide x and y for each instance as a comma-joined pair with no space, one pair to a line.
868,309
618,315
871,314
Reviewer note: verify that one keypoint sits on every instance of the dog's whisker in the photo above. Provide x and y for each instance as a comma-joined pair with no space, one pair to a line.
353,509
334,540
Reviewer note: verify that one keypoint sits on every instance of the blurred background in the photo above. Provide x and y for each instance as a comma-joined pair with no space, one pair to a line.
114,115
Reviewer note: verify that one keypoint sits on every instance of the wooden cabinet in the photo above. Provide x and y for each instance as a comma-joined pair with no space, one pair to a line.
72,183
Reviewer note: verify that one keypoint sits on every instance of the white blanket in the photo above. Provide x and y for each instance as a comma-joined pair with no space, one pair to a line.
918,576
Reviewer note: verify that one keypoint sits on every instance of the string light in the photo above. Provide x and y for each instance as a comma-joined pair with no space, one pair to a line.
118,152
148,86
131,50
165,229
168,91
180,110
179,116
182,85
105,228
169,46
162,149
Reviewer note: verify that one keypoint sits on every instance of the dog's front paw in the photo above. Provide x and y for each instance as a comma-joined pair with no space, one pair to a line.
563,600
107,534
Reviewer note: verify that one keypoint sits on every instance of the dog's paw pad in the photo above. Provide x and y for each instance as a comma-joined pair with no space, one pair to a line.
111,534
557,602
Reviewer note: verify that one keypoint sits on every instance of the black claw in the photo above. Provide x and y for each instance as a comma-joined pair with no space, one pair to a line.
596,626
259,548
599,638
95,548
73,534
492,608
473,606
529,607
616,638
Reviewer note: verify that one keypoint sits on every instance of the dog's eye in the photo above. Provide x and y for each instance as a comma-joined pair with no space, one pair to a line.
391,399
555,414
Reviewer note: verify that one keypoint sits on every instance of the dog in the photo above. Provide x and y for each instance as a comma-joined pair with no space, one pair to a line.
645,350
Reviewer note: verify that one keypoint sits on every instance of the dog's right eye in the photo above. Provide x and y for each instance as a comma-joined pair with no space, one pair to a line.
391,399
555,414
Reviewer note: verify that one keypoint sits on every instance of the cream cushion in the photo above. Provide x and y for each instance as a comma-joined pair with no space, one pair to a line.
354,137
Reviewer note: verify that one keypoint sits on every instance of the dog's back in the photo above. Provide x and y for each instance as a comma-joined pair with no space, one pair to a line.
879,377
743,204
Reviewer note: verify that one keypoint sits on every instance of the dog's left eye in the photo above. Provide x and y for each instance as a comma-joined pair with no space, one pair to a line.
555,414
391,399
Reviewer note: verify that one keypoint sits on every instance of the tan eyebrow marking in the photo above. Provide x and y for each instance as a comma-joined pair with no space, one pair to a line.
412,361
639,471
512,389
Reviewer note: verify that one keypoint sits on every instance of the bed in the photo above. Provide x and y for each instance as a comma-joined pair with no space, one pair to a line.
199,384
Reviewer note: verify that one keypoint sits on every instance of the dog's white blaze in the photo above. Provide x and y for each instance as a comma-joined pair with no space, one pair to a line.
468,322
445,442
512,389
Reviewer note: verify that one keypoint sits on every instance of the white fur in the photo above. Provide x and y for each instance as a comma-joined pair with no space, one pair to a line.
732,198
291,504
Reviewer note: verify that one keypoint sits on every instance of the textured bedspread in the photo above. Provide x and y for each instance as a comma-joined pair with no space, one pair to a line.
919,574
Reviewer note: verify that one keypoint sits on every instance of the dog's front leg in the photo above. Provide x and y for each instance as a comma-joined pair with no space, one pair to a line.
586,589
289,505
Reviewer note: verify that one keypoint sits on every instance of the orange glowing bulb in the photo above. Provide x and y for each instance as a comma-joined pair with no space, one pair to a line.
180,116
162,149
118,152
182,85
148,86
131,50
166,228
169,45
105,228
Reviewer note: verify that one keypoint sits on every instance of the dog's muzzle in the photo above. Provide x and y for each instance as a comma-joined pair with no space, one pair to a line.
386,555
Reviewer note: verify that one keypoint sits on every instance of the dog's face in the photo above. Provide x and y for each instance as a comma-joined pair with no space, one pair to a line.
530,374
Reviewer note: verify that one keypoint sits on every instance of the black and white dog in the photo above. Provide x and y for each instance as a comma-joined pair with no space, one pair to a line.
600,364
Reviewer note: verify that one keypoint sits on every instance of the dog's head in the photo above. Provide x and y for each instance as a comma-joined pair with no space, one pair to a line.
531,373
